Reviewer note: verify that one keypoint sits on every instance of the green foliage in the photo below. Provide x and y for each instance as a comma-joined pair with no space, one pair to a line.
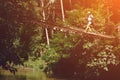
46,60
98,54
63,42
101,54
22,39
78,17
43,56
16,22
36,42
103,59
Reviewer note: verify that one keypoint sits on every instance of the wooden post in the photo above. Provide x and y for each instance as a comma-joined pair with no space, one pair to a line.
47,36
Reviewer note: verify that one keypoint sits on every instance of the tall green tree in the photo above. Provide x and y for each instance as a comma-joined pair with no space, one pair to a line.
17,26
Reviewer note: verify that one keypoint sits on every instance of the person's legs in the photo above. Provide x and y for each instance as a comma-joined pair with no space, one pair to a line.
88,27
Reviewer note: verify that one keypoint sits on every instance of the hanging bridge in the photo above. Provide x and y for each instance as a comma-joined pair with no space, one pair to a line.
71,29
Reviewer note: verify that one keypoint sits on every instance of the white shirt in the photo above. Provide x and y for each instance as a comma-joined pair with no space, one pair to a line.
90,17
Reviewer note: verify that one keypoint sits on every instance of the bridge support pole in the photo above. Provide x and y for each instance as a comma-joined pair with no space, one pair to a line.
47,36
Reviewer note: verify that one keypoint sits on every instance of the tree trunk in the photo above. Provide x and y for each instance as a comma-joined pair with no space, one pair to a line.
62,10
70,2
44,18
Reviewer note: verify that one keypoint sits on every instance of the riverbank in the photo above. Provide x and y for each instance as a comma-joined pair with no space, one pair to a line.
25,74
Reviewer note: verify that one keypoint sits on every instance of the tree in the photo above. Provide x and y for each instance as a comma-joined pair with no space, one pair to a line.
17,27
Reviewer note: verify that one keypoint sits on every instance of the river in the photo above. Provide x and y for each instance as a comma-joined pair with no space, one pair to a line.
25,74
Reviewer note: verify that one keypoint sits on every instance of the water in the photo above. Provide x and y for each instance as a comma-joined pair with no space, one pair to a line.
24,74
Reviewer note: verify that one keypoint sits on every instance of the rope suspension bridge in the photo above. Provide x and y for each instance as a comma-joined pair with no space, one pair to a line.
72,30
52,11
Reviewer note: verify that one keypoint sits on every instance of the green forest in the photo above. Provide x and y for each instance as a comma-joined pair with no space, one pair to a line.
65,38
